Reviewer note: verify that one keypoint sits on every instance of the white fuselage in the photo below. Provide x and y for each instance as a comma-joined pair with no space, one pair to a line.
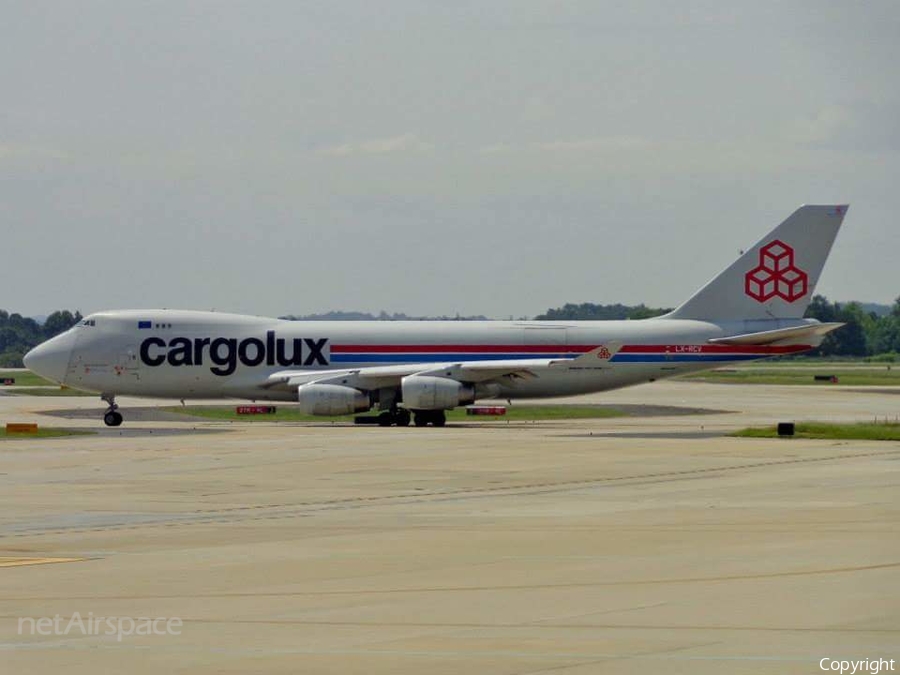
414,371
189,354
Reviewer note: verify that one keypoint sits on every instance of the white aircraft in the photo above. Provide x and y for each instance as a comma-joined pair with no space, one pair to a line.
418,370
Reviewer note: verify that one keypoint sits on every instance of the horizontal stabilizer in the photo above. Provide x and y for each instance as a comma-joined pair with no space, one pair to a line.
811,334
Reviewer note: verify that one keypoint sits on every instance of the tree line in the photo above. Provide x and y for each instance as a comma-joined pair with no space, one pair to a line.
382,316
19,333
866,333
588,311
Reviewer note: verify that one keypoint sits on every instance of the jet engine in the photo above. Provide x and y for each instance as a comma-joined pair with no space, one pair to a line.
331,399
424,392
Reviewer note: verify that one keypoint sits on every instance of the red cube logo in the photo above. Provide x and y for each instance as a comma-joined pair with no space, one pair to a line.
776,275
776,257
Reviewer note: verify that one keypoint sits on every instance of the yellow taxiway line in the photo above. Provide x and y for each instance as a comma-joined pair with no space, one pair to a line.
21,562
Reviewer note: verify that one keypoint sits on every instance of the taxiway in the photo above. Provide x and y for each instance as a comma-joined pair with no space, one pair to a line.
626,545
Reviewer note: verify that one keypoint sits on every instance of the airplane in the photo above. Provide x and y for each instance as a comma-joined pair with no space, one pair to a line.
414,371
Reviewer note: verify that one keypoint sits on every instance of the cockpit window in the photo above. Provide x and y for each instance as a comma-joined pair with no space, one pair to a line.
89,322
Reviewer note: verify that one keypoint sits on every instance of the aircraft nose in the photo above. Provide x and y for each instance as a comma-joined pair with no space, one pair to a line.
50,359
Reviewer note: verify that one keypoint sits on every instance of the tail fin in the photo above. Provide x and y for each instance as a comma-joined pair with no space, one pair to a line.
775,278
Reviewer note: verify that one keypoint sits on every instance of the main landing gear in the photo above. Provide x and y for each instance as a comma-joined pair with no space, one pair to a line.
437,418
398,416
402,418
112,417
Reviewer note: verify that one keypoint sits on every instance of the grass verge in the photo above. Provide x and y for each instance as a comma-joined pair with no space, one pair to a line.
25,378
805,375
43,433
518,413
861,431
45,391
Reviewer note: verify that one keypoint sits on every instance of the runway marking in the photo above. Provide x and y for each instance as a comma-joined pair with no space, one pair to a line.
23,562
478,589
256,512
528,626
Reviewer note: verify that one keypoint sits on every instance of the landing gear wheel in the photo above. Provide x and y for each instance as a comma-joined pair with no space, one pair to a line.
385,419
436,417
402,418
112,418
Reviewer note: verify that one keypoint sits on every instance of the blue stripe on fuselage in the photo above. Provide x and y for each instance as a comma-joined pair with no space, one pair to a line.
433,358
655,358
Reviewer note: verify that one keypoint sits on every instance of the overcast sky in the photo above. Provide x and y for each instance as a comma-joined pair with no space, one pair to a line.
490,157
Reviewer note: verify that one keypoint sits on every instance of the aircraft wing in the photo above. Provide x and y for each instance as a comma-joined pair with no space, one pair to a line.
473,372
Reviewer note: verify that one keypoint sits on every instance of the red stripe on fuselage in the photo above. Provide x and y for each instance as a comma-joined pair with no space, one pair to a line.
574,349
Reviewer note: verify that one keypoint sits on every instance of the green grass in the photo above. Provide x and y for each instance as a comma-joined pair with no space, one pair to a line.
42,433
517,413
35,385
25,378
861,431
872,376
45,391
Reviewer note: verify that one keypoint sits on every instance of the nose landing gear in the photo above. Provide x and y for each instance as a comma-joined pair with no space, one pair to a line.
112,417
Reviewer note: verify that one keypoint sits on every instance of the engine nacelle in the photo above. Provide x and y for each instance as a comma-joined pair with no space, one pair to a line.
331,399
424,392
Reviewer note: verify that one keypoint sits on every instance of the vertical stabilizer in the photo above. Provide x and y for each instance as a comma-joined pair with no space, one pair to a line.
775,278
